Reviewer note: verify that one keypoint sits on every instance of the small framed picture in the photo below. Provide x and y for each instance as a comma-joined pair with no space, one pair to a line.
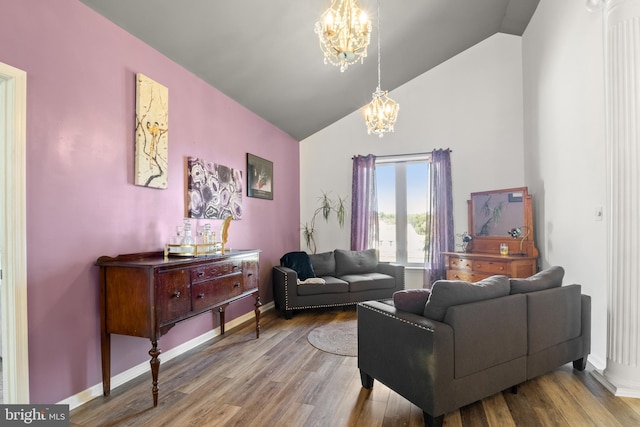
259,177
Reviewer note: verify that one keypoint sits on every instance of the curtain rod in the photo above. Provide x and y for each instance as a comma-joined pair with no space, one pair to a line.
406,154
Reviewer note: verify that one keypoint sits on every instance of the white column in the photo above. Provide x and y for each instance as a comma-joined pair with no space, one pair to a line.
622,62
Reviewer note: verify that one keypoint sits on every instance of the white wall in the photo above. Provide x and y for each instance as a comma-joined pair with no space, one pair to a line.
471,104
564,136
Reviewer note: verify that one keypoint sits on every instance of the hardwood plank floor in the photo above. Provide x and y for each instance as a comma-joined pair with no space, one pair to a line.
280,379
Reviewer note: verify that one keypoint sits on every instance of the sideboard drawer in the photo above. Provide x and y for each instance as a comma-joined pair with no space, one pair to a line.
494,267
173,296
250,274
211,292
206,272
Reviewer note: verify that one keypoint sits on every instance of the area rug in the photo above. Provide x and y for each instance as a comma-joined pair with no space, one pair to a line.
338,338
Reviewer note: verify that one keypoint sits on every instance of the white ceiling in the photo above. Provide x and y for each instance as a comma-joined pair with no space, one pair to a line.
265,55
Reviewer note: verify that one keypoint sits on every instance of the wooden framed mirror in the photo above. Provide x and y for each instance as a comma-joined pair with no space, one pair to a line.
502,217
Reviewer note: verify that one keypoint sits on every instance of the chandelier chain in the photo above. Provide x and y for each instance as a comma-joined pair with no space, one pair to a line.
379,37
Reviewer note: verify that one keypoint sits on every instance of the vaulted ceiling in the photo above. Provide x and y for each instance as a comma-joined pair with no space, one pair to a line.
265,55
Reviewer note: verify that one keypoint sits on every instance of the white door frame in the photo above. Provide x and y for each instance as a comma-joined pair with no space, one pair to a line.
13,244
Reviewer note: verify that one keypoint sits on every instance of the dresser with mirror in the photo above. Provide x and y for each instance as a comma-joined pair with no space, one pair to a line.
502,237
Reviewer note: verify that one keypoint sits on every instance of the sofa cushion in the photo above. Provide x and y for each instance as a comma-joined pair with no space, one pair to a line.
300,263
447,293
355,262
332,285
546,279
324,264
369,281
411,300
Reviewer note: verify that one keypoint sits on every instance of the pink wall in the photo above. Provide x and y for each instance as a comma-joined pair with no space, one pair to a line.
81,201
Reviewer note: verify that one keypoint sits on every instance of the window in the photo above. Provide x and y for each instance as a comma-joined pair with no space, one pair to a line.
403,185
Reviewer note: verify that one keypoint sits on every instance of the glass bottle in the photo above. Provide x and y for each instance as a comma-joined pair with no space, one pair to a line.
187,239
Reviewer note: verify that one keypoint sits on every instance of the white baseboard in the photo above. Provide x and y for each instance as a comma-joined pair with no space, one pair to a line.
96,391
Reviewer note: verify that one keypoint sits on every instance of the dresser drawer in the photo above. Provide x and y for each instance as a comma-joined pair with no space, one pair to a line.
211,292
456,263
206,272
466,276
495,267
459,275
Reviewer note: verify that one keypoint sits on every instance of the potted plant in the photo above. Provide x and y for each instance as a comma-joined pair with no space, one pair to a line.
327,205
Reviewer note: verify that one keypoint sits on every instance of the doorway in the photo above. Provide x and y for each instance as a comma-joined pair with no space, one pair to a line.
13,236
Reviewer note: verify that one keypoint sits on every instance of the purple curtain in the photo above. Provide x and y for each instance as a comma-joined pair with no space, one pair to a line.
440,222
364,204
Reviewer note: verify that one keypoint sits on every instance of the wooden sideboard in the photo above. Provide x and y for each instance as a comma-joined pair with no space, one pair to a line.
472,267
146,294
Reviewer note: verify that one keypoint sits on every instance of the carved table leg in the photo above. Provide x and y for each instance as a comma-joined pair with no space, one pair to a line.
155,367
221,311
257,311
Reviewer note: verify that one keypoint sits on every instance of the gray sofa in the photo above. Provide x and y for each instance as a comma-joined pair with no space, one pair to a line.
349,277
472,340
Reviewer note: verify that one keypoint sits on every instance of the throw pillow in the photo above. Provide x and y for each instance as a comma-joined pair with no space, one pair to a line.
324,264
356,262
546,279
298,262
411,300
447,293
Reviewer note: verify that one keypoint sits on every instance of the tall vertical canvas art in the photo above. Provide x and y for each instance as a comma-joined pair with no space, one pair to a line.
152,127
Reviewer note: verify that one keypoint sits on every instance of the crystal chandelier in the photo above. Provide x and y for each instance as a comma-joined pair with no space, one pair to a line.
344,32
381,113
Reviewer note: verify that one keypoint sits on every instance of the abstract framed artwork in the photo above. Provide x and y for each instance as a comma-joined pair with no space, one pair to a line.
215,191
152,128
259,177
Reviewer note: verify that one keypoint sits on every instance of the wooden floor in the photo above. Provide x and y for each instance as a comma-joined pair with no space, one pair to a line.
281,380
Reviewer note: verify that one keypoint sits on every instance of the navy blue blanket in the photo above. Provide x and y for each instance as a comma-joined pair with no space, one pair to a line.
300,263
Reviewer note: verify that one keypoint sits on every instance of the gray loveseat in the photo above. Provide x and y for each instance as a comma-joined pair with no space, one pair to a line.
346,278
472,340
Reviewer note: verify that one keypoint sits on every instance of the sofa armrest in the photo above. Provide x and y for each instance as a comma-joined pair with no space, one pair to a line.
409,353
285,281
395,270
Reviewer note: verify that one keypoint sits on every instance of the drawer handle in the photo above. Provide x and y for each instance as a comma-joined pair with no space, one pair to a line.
250,274
176,294
235,267
201,295
236,285
200,273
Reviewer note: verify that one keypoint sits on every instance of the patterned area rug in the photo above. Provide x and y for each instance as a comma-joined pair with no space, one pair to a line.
337,338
